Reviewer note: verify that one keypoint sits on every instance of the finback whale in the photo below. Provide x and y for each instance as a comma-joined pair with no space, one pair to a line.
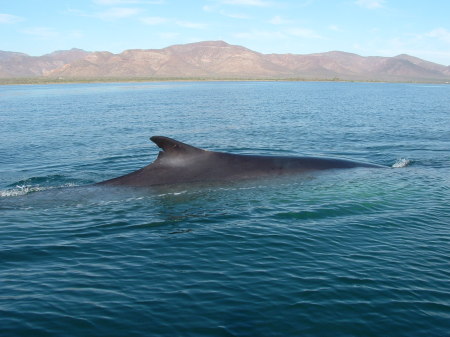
179,163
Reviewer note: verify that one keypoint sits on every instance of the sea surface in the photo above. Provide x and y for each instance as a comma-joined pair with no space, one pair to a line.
359,252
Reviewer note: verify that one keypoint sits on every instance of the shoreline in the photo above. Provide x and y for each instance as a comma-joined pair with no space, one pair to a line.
44,80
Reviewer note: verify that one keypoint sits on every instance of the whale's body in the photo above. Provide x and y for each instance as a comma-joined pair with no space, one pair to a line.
180,163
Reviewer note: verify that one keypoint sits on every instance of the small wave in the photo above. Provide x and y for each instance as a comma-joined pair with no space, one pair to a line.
402,162
20,190
36,181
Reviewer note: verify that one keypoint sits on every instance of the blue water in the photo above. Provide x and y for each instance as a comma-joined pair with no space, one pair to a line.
361,252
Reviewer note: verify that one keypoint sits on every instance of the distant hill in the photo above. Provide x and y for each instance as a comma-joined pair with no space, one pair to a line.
219,60
13,65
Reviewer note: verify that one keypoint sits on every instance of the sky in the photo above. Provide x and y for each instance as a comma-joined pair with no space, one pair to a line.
365,27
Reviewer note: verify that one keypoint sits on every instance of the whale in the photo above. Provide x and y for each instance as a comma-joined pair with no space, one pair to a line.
180,163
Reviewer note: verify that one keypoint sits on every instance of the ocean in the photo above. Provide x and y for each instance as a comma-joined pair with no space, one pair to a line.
358,252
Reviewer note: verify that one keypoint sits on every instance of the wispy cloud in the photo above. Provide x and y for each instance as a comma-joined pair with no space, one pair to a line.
280,34
335,28
278,20
233,15
127,2
43,33
260,34
47,33
304,33
431,45
257,3
8,18
440,34
154,20
75,34
110,14
117,13
193,25
168,35
370,4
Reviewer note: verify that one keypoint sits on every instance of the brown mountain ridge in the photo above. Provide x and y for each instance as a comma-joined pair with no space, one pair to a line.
220,60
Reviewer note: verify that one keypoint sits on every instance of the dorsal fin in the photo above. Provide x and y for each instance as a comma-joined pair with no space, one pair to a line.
172,147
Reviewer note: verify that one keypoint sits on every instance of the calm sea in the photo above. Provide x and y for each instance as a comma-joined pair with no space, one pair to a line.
358,252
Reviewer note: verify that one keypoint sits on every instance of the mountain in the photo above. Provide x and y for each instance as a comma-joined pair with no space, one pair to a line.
349,66
218,59
14,64
204,59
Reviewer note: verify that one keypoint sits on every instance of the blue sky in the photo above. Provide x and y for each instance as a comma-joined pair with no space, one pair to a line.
365,27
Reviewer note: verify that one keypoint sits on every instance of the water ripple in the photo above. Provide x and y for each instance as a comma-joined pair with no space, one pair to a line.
348,253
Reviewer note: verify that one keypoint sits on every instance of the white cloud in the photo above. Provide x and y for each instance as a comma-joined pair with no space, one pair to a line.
193,25
168,35
440,34
257,3
233,15
280,34
43,33
110,14
209,8
117,13
335,28
154,20
127,2
278,20
76,34
304,33
260,34
47,33
370,4
8,18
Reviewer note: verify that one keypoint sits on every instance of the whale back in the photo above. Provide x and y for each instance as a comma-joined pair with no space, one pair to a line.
178,162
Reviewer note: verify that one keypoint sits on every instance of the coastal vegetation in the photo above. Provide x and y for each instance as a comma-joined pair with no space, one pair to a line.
47,80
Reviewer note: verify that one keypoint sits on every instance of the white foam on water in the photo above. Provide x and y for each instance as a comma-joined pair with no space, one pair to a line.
20,190
402,162
179,193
